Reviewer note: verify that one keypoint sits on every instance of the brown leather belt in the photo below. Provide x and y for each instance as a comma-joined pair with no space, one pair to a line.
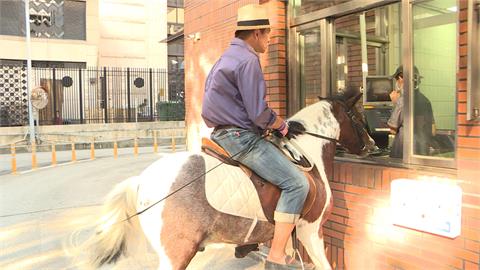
219,127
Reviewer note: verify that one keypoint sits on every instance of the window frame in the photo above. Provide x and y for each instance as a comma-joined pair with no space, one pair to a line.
407,59
473,66
324,18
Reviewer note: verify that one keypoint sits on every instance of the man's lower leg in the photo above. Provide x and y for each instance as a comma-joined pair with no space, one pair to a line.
279,242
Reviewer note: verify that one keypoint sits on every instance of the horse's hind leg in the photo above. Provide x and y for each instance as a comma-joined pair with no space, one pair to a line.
176,248
312,239
179,252
174,244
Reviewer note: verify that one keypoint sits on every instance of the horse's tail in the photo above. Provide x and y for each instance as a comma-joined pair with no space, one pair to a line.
110,239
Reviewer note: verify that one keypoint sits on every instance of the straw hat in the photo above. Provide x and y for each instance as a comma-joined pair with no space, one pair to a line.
252,17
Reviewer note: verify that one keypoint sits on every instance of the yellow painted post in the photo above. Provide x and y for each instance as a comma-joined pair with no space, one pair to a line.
34,155
135,147
54,155
115,150
155,145
173,143
92,148
74,154
14,159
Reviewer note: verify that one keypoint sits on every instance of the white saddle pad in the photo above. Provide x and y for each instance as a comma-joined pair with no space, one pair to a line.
229,190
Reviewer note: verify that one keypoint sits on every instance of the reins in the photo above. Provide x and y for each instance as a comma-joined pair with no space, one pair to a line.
320,136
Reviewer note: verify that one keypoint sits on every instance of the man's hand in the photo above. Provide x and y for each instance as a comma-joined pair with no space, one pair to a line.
394,96
292,130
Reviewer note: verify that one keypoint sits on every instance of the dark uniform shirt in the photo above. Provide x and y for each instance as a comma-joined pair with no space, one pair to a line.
422,125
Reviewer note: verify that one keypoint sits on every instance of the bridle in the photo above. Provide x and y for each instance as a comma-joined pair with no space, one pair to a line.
357,125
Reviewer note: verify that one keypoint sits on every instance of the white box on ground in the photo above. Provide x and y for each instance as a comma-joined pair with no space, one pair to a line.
427,205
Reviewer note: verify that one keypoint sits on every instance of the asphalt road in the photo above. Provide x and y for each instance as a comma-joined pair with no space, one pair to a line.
40,209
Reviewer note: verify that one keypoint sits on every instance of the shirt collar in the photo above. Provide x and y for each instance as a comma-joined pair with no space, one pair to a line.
242,43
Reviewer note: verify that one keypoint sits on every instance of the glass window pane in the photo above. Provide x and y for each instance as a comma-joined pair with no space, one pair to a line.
310,66
180,18
74,20
383,45
171,15
383,41
435,56
302,7
12,18
56,19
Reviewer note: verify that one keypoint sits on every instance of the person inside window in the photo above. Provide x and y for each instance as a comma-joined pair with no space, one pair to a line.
423,120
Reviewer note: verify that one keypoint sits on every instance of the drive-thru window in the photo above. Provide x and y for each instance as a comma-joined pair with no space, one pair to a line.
336,45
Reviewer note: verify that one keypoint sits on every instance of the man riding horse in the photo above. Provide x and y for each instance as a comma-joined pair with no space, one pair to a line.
234,105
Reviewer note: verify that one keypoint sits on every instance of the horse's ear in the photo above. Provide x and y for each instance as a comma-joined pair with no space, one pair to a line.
353,100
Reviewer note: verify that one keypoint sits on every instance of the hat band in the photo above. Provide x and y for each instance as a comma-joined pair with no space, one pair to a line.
254,22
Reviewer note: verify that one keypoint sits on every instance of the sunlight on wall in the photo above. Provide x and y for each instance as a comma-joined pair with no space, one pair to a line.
374,242
196,127
362,250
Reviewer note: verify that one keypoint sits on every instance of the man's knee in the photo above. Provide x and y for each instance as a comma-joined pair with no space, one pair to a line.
302,187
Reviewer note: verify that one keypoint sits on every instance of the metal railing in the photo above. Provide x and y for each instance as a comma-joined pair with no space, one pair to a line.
91,95
26,156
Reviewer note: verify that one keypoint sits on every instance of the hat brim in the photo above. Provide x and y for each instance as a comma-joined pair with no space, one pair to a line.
253,24
252,27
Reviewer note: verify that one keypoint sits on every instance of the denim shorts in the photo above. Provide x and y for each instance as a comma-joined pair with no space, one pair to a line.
268,162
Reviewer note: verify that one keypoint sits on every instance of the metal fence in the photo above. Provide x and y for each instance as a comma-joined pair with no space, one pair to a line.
91,95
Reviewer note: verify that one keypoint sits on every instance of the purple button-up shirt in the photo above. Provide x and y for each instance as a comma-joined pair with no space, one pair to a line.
235,90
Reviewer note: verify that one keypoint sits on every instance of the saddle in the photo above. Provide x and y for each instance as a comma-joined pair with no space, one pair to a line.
267,192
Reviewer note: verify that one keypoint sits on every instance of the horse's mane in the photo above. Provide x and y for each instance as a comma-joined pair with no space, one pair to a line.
344,95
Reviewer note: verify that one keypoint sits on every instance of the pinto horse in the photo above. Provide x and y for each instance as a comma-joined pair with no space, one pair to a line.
185,222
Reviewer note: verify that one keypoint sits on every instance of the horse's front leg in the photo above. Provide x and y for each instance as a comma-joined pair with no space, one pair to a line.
311,237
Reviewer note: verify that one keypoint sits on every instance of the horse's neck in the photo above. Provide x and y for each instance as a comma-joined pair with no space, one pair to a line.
319,119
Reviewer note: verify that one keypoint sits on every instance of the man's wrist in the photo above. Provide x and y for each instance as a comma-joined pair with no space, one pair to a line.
282,126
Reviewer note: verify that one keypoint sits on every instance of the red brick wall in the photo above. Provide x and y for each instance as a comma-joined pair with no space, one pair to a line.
216,21
359,235
468,148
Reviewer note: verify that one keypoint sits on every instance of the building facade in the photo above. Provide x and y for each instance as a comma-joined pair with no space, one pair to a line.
319,48
86,33
98,61
175,41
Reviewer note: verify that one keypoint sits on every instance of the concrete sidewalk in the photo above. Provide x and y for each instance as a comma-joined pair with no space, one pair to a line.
39,211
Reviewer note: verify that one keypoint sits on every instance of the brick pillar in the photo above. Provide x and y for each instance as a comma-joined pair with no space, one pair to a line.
274,62
467,153
216,23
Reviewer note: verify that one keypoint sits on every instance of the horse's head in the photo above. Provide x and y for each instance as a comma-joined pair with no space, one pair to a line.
353,134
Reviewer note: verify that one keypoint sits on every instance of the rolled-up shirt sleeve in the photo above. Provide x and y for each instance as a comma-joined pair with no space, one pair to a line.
396,119
251,85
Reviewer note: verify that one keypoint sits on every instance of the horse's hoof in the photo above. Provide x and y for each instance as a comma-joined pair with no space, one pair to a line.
242,251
